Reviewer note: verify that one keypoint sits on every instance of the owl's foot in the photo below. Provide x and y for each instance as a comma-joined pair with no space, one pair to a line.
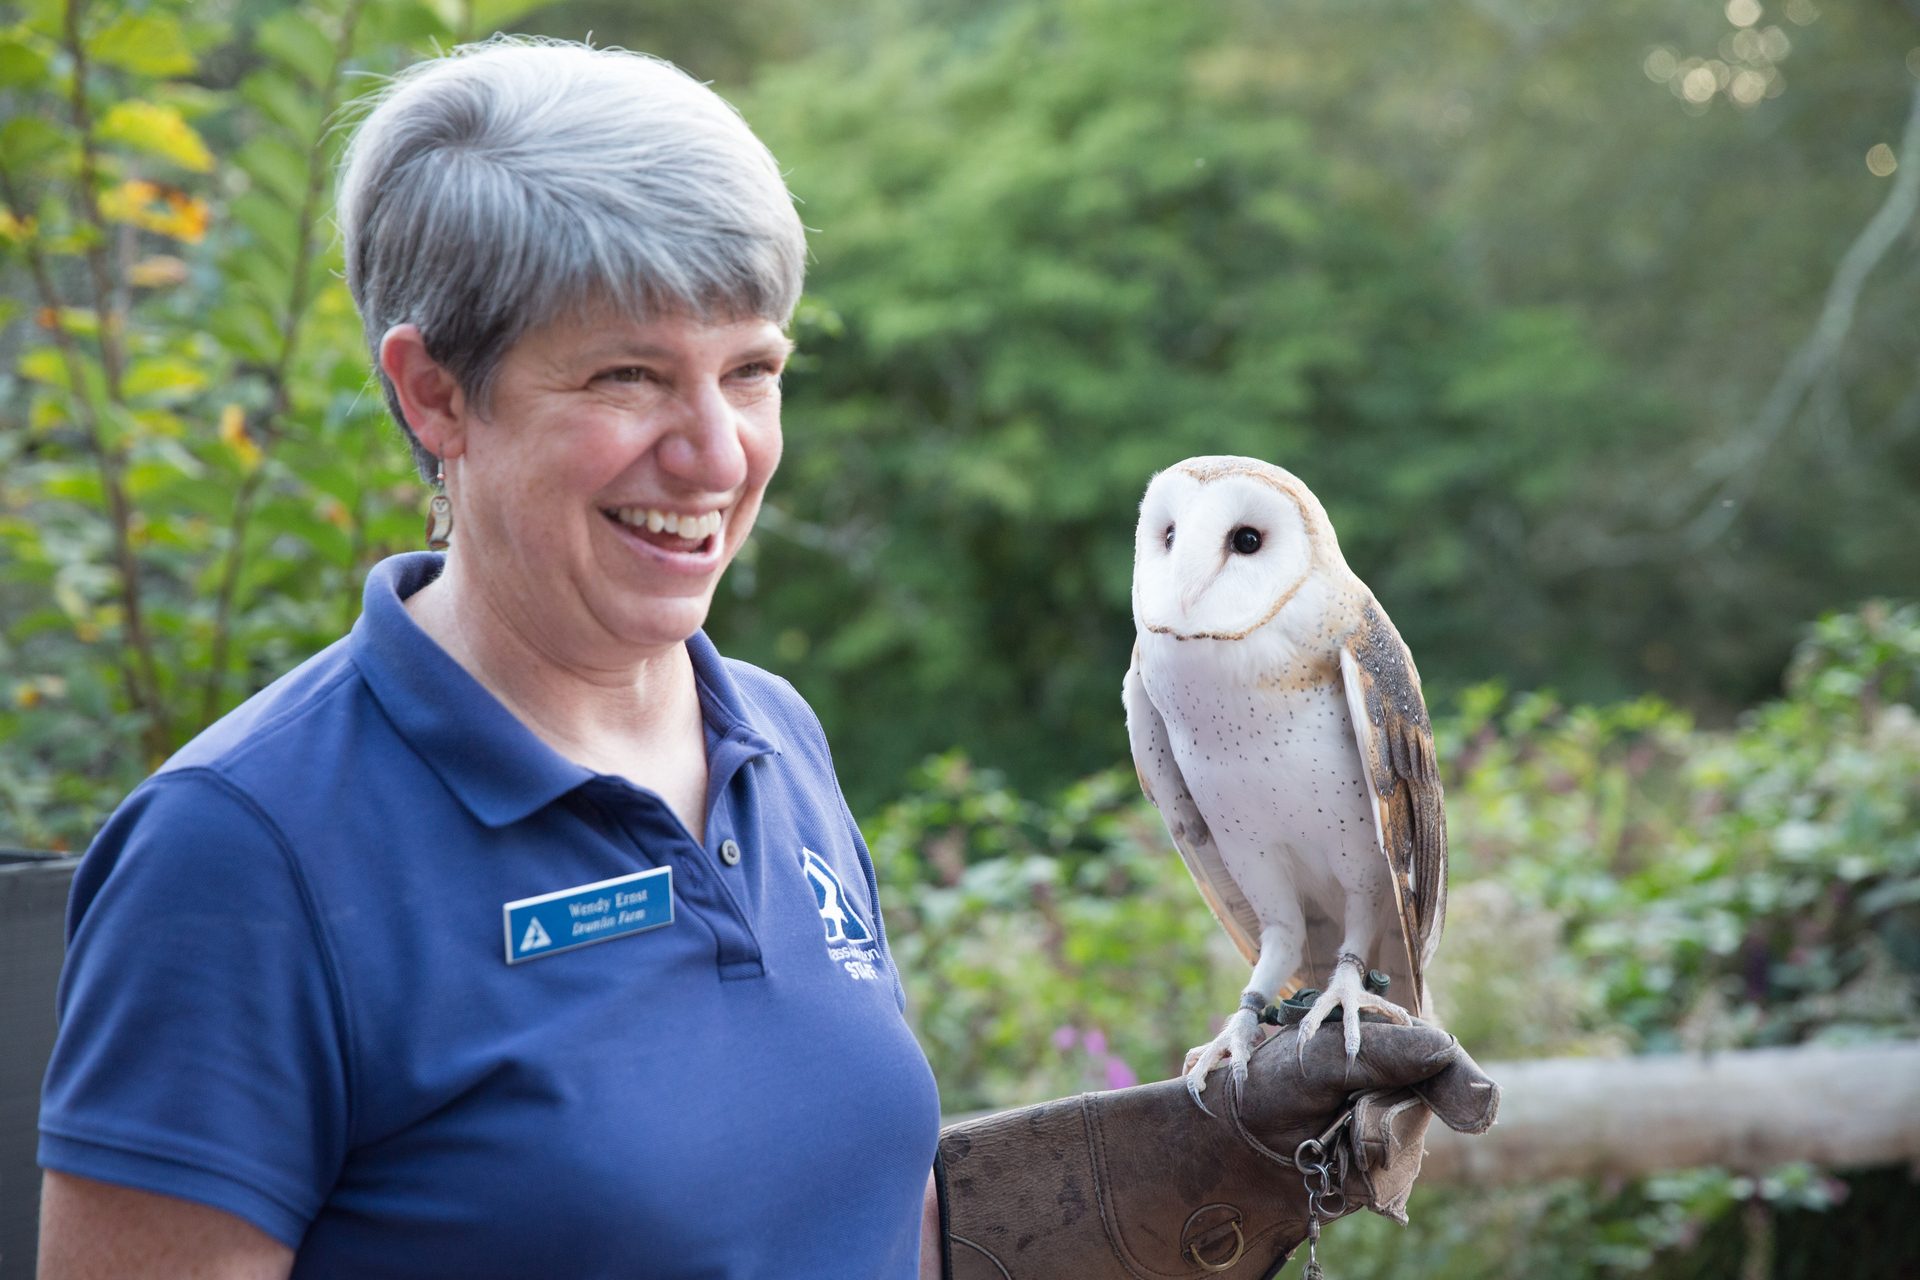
1234,1046
1347,992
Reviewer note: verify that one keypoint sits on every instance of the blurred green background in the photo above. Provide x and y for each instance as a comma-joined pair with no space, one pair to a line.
1593,325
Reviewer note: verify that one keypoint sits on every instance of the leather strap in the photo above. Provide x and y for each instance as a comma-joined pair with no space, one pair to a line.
1240,1127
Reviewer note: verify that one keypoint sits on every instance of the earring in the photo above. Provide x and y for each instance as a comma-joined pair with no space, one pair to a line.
439,513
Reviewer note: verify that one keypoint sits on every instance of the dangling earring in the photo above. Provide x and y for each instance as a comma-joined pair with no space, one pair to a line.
439,513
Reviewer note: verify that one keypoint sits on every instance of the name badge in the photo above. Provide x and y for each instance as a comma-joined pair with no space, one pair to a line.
555,922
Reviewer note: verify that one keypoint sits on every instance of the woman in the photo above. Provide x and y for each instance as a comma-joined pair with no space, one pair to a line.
518,933
287,997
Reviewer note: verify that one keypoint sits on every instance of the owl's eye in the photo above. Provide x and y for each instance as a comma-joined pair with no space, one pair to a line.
1169,537
1245,540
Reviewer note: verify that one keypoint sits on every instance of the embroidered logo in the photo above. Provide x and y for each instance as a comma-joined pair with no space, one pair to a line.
849,941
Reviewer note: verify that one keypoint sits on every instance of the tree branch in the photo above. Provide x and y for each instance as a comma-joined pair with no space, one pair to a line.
278,377
141,677
1740,460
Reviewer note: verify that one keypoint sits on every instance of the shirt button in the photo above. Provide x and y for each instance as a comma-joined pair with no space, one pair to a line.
730,853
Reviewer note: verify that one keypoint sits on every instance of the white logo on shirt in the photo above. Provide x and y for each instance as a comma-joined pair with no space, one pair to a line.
536,936
849,941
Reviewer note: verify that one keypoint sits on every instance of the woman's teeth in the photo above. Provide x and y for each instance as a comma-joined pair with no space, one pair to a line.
694,528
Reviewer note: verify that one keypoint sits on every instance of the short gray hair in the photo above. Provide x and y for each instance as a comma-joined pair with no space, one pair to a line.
491,190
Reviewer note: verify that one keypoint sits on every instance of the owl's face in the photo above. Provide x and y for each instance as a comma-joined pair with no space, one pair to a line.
1216,558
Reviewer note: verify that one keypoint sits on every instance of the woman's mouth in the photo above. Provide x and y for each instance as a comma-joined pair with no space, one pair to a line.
685,532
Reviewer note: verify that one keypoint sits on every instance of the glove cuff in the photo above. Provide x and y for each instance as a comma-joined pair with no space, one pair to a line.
1141,1184
1136,1184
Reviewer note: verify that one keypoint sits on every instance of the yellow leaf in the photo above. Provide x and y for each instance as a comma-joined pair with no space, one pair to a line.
158,130
33,691
156,208
158,422
165,378
15,229
127,201
156,272
44,365
233,434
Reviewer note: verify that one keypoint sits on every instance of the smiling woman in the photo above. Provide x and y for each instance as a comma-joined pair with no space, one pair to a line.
293,1037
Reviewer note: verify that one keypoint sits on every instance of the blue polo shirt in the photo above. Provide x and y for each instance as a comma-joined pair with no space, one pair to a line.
288,995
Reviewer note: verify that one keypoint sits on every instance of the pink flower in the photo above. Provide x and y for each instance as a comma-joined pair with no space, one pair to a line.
1120,1075
1063,1038
1096,1042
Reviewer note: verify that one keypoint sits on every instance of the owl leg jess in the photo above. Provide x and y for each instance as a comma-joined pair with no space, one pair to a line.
1347,991
1280,948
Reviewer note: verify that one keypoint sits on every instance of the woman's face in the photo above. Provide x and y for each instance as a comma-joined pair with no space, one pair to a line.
615,474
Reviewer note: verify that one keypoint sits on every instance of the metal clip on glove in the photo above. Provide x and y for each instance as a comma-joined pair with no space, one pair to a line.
1140,1184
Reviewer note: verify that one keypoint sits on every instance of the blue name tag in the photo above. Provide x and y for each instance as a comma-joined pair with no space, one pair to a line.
591,913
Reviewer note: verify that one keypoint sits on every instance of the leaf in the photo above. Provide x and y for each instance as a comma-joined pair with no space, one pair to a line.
284,103
272,282
403,22
21,67
157,130
160,423
277,167
26,139
48,17
164,378
481,17
148,44
118,425
191,100
233,434
164,210
492,15
293,38
157,271
44,365
246,329
275,227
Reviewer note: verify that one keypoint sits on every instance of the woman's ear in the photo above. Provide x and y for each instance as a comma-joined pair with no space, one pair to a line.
431,398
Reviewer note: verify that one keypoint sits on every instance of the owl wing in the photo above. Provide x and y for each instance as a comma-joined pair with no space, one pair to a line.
1161,781
1395,738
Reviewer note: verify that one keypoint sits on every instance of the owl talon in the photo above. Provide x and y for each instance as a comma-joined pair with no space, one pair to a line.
1347,992
1234,1046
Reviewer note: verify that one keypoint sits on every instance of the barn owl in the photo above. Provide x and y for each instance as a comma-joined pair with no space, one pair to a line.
1277,723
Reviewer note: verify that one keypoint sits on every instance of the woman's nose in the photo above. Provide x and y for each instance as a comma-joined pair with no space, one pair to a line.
703,448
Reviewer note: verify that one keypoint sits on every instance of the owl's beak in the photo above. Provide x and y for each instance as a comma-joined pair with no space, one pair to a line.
1199,570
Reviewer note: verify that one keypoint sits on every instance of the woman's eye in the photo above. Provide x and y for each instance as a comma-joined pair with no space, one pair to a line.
1169,537
1245,540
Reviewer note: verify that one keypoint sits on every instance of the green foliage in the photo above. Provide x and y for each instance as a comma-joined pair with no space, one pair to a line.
1622,882
1051,262
196,476
1046,948
1467,269
1756,887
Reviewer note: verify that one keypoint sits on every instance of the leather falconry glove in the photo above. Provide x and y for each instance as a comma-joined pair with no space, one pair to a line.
1140,1184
